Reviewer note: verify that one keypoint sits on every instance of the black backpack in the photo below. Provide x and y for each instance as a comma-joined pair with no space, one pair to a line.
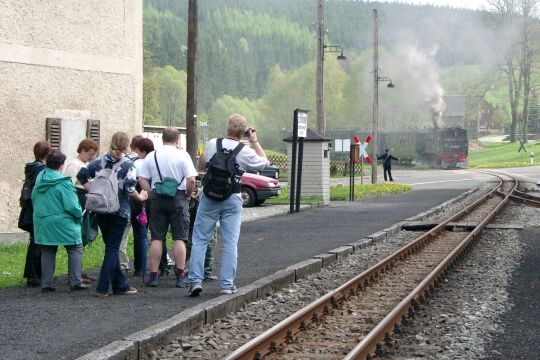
221,179
26,192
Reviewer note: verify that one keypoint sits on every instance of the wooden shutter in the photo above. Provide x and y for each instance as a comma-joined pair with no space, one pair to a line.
54,132
92,130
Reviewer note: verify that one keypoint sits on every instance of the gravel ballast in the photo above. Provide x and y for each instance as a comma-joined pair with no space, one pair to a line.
468,317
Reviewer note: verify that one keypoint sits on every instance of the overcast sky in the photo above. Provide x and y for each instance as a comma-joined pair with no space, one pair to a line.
468,4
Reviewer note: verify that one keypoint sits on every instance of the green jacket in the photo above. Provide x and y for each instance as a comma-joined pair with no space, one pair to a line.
57,213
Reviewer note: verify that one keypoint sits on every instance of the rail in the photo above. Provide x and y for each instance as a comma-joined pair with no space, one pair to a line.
285,330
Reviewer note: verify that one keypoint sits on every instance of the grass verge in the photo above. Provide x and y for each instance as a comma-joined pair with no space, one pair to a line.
13,257
341,192
502,154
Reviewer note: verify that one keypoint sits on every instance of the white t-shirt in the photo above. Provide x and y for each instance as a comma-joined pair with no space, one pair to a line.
72,169
172,161
247,158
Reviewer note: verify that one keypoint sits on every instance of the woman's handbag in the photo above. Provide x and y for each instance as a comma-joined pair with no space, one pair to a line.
142,218
168,187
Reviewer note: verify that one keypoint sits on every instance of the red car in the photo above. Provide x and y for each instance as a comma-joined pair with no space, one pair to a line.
257,188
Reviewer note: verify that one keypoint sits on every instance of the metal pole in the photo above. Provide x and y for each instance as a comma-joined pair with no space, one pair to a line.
375,96
321,125
299,172
191,88
293,162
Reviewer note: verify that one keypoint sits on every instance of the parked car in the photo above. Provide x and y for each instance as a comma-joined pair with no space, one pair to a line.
270,171
257,188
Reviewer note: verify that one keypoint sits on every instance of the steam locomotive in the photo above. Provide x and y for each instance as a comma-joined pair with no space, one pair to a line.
444,148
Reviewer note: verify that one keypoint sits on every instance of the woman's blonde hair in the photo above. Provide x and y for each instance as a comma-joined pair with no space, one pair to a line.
119,144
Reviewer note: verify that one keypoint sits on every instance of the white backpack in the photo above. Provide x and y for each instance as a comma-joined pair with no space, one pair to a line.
103,195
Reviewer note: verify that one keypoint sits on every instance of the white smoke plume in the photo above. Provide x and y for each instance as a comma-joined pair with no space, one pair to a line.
424,74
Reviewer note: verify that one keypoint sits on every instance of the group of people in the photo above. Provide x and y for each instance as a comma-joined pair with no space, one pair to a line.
133,183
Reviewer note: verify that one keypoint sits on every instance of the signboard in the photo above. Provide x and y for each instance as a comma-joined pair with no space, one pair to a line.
363,147
302,124
342,145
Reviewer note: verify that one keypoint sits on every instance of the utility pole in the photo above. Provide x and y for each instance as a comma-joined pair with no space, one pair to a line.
321,123
375,136
191,91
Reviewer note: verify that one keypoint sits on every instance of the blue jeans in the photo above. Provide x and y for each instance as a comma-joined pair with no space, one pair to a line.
140,245
229,213
112,228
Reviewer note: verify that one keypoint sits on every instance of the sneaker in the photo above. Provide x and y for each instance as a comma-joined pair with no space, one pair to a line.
229,291
79,287
129,291
181,282
48,289
195,290
208,277
102,296
152,281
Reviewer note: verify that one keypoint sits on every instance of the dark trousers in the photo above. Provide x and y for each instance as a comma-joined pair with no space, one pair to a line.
112,228
140,245
388,170
32,267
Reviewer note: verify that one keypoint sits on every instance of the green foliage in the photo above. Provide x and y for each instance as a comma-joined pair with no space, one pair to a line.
257,58
165,97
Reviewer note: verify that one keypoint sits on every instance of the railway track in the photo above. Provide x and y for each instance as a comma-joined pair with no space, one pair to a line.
358,319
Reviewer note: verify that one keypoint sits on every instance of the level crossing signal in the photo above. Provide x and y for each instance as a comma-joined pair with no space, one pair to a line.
363,147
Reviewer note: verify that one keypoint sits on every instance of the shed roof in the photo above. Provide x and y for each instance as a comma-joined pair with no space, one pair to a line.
312,135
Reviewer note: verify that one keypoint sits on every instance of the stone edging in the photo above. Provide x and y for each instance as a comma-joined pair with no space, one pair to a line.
184,323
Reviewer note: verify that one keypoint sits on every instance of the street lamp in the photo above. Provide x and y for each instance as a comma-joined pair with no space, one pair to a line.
321,49
376,80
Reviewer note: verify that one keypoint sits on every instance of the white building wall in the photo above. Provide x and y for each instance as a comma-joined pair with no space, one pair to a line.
83,56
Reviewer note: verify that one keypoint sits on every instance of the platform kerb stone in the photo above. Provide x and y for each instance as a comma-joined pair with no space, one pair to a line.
305,268
378,236
117,350
218,307
327,259
361,244
272,283
164,332
392,230
342,251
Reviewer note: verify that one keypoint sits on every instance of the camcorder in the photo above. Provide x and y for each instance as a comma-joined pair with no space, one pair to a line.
246,134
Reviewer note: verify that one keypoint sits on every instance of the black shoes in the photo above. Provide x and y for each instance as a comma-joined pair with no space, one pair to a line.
48,289
79,287
33,282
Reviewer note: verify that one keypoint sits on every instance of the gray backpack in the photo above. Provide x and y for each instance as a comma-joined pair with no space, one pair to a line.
103,195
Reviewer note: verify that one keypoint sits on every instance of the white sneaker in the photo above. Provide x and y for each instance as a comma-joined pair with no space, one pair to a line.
229,291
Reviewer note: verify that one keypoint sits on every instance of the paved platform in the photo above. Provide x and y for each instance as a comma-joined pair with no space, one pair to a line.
65,325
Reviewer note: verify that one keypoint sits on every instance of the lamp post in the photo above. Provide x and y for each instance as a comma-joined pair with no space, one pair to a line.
376,80
321,49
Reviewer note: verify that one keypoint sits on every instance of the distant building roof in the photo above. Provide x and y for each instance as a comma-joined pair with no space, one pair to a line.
455,105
